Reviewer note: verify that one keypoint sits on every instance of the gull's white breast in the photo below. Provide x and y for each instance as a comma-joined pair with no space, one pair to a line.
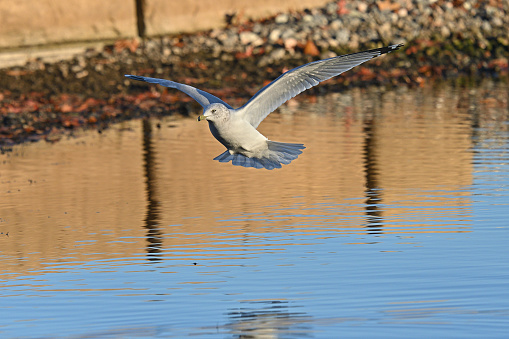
239,136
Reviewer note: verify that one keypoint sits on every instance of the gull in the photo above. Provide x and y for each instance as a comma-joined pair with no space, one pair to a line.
235,128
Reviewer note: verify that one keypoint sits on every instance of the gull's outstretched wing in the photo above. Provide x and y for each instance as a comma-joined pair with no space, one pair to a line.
202,97
301,78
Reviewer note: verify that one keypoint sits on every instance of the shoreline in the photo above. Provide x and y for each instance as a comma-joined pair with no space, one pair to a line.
442,42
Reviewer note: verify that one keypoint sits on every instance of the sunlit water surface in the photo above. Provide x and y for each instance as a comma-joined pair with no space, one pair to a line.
392,223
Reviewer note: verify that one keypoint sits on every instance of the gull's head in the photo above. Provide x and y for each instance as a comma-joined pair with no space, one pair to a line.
215,113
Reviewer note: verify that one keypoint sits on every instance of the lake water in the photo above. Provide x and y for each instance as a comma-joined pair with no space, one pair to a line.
392,223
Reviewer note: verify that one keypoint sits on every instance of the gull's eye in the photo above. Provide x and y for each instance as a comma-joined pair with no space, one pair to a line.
213,111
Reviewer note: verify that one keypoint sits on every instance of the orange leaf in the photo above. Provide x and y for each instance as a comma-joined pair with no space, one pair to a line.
65,108
311,49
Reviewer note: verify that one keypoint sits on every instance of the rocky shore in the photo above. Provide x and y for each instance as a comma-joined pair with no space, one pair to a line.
461,40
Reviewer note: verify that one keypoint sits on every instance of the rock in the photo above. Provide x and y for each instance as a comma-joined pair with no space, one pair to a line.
331,8
250,38
320,20
228,40
274,55
308,18
277,54
497,22
274,35
287,33
290,44
328,54
81,74
64,69
281,18
258,28
76,68
335,25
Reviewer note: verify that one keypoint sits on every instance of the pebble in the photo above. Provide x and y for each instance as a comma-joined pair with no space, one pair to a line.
277,54
336,24
497,22
290,44
274,35
250,38
402,12
281,19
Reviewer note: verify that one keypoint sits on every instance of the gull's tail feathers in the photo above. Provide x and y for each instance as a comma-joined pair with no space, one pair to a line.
277,154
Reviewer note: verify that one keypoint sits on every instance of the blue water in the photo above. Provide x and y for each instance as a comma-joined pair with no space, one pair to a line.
391,224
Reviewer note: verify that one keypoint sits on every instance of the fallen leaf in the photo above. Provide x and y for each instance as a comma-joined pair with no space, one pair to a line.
131,45
342,7
246,54
366,73
65,108
16,72
387,5
311,49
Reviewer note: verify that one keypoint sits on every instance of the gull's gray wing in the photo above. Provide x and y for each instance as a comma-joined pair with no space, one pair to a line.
301,78
202,97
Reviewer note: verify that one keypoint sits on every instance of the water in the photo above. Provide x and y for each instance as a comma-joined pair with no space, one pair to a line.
392,223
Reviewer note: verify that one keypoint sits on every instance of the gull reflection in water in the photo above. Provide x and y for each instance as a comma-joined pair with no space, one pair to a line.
271,319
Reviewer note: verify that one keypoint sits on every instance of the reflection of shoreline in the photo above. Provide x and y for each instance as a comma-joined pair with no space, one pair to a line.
84,195
154,234
373,190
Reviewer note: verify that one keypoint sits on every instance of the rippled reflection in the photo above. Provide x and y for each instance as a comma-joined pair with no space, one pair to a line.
373,189
154,234
399,201
271,319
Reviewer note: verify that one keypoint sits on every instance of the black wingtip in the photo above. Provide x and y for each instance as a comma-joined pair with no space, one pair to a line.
388,49
134,77
382,50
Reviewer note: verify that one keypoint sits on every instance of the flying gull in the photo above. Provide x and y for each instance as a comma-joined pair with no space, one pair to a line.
235,128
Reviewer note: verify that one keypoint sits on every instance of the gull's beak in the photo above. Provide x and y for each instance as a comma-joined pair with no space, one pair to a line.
202,117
